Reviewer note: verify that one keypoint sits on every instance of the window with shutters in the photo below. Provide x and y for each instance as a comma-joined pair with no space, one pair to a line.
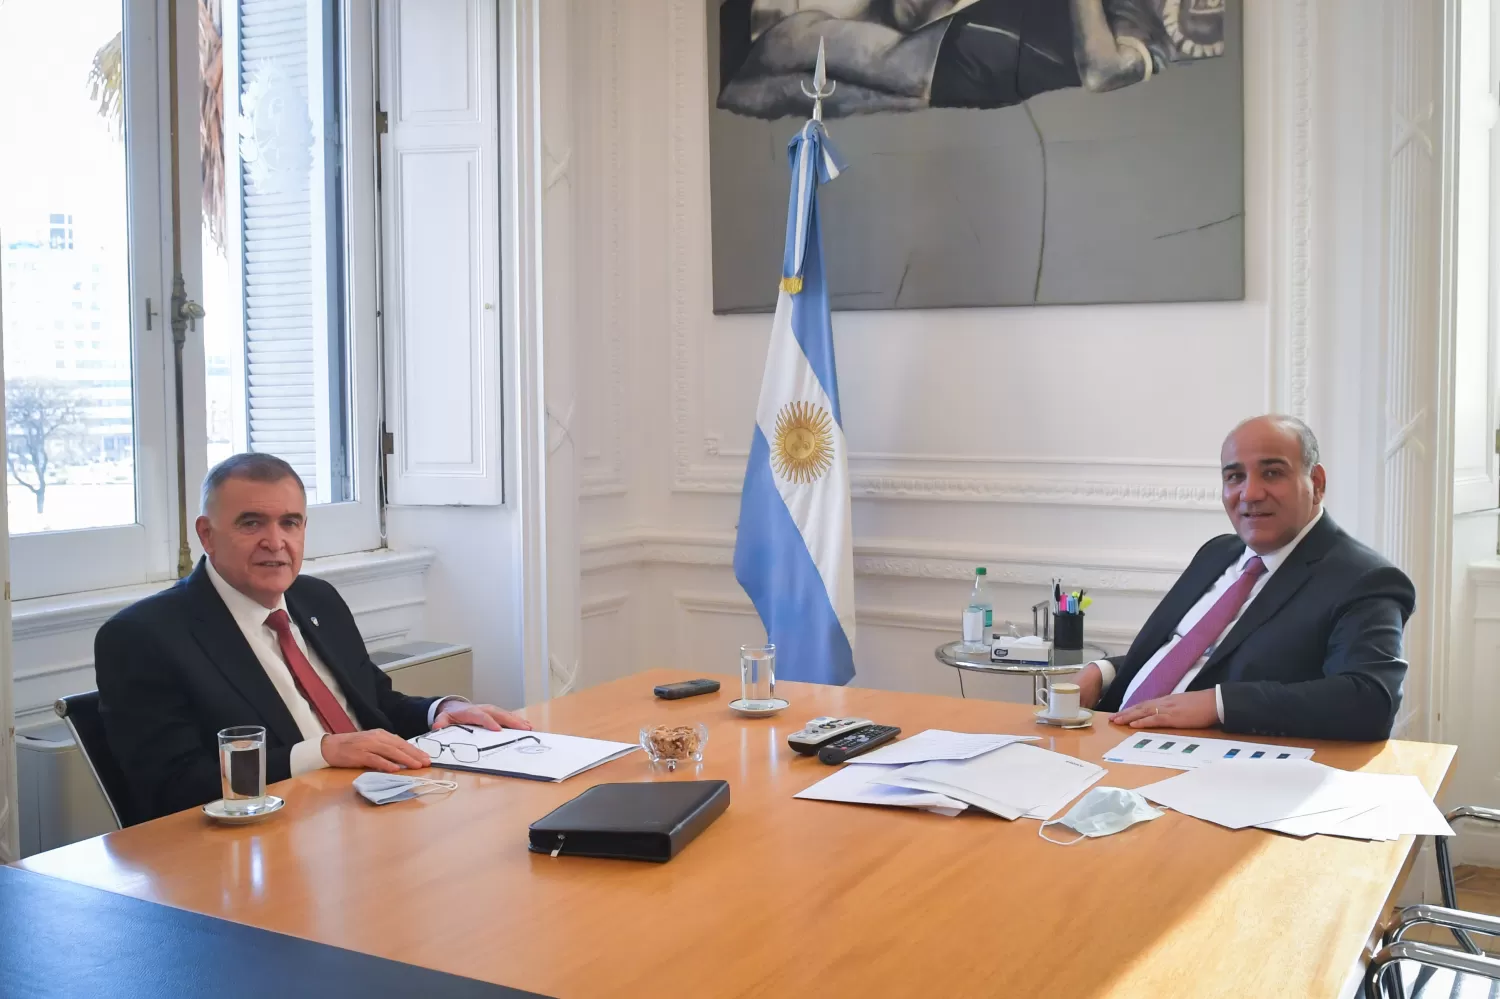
284,332
274,262
275,210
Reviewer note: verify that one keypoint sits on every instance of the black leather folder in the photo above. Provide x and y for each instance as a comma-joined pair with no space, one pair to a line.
645,821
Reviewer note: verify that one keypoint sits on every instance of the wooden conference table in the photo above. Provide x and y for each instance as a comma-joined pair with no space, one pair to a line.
782,897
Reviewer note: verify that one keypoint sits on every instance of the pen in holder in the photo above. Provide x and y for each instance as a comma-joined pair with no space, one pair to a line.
1067,630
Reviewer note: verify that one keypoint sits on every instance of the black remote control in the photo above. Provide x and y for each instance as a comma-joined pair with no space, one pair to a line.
851,745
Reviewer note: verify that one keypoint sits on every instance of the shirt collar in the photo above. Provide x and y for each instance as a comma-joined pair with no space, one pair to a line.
248,612
1273,559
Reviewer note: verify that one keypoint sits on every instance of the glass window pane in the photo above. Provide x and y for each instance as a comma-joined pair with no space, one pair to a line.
273,269
64,262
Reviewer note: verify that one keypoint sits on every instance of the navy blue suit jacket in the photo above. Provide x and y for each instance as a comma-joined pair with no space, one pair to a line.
175,668
1316,654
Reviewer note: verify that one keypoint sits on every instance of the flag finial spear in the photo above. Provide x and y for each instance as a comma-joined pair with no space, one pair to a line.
821,88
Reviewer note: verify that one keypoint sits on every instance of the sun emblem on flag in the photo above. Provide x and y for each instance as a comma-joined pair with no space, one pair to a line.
803,448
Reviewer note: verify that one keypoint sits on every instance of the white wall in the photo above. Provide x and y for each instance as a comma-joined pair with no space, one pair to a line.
1102,470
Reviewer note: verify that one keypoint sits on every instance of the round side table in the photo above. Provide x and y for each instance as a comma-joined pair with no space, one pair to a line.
1064,662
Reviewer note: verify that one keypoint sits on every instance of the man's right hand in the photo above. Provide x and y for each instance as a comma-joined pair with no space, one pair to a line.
1090,685
375,749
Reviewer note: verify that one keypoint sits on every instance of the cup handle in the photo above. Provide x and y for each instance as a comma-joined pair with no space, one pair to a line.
1042,699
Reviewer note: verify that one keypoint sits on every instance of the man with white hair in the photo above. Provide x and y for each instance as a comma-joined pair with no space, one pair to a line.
247,640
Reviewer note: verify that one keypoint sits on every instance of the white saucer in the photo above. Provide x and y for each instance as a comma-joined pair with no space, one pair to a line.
1083,719
215,810
738,707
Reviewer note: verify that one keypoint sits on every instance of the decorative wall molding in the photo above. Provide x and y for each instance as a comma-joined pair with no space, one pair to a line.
984,489
604,474
599,606
1139,572
1411,330
936,622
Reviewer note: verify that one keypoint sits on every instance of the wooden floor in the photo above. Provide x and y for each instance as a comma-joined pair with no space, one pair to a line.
1478,891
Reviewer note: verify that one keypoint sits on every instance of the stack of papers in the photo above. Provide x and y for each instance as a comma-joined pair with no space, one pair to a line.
859,784
1301,798
946,772
1178,752
546,757
1018,780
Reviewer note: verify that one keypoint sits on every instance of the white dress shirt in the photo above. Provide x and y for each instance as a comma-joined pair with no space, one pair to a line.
1272,561
251,616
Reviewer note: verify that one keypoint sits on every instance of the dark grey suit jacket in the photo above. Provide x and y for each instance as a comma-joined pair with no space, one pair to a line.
1316,654
175,668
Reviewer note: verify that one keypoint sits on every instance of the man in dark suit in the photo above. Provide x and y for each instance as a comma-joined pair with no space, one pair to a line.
245,640
1288,627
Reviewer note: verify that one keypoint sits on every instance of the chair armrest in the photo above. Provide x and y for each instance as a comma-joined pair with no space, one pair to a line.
1475,812
1430,955
1437,915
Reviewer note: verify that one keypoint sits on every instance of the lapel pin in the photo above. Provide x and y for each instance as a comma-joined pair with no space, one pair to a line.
314,621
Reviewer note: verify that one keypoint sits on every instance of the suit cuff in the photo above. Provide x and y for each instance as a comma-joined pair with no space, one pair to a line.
307,756
1219,700
1107,671
436,706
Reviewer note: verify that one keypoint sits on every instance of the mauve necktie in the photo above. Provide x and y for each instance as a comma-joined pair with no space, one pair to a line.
335,720
1174,665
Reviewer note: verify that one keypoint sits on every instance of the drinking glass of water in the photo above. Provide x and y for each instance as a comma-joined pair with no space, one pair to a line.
757,676
242,768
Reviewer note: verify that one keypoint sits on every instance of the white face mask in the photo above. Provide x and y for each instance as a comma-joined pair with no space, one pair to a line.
382,789
1104,811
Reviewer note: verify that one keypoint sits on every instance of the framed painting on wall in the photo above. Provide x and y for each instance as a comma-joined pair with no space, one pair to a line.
1000,152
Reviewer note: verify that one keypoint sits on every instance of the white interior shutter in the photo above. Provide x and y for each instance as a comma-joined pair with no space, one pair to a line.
281,293
440,192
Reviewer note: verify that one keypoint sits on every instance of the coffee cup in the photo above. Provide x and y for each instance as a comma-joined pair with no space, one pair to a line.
1060,701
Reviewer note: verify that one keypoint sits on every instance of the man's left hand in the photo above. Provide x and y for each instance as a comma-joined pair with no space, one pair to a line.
484,715
1195,709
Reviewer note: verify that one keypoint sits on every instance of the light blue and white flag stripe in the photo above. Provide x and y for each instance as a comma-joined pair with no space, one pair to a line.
795,552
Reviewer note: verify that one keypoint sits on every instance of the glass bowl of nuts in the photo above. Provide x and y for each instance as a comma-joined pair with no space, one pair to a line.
671,746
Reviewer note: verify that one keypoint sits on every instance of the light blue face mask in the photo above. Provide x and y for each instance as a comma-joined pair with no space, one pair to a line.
382,789
1104,811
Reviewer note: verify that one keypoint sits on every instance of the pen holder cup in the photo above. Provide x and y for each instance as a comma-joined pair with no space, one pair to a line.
1067,631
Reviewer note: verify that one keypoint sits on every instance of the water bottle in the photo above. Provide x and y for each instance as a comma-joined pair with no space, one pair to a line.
979,615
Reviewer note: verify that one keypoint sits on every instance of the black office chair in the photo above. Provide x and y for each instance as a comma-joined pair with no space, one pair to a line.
81,712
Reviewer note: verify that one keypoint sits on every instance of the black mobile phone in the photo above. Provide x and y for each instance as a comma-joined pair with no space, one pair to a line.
687,688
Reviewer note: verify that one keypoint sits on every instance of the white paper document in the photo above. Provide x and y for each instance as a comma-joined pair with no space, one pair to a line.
1302,798
1178,752
1015,781
532,755
937,744
857,784
1395,805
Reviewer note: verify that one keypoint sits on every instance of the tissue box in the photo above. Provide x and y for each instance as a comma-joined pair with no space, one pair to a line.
1028,650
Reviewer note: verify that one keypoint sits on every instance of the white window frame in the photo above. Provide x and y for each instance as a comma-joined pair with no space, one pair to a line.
53,562
57,562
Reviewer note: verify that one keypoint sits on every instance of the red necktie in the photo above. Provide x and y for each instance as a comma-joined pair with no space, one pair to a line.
1174,665
335,720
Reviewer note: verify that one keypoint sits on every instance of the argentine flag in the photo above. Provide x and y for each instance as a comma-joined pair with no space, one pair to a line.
795,552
